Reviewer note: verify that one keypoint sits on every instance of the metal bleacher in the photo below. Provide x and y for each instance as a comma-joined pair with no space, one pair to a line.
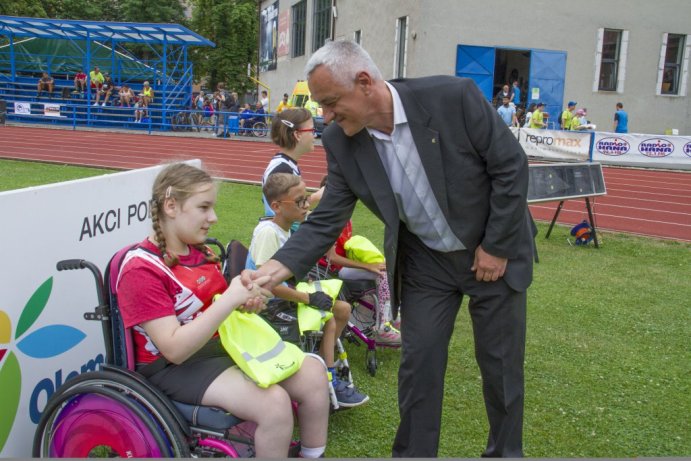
93,43
77,109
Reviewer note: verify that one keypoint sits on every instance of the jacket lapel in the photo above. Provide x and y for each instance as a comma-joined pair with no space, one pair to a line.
427,143
375,177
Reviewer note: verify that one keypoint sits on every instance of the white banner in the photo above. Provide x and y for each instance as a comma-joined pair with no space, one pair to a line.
555,144
44,338
51,110
643,149
22,108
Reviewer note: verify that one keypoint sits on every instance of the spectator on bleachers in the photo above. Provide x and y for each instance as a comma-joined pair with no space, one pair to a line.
80,82
139,110
147,94
96,78
46,83
106,89
126,95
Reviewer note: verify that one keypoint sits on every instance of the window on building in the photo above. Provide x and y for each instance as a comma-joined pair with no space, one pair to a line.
672,64
357,37
321,24
609,60
299,16
401,45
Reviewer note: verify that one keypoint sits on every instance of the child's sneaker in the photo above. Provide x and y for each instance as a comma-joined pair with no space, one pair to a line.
348,397
388,335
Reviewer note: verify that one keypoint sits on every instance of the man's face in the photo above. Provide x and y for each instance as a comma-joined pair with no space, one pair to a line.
346,105
506,88
505,101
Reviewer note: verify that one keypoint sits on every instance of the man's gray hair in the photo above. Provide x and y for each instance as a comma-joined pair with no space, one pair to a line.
344,59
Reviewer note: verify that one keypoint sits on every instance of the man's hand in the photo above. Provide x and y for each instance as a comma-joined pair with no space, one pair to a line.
488,268
276,271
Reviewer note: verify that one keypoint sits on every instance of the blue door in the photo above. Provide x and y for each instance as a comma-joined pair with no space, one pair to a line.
547,71
477,62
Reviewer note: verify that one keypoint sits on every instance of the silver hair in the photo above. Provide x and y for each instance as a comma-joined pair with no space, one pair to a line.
344,59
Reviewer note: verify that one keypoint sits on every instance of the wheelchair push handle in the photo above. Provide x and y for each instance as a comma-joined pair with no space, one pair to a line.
75,264
70,264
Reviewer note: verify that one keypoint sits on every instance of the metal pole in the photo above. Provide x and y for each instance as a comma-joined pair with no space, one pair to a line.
13,66
88,80
165,81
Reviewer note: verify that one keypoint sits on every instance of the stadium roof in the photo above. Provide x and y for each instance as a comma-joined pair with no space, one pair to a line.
68,29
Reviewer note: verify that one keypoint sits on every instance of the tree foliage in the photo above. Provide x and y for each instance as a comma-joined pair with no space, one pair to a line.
31,8
159,11
233,26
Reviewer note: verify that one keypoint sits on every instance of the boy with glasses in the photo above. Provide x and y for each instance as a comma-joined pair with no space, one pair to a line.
287,196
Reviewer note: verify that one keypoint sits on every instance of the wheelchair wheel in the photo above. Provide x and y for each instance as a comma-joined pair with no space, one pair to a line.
372,362
103,414
179,122
259,129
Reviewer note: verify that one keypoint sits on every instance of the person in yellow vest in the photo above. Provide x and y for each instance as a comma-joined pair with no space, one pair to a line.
147,94
284,104
312,106
538,118
567,115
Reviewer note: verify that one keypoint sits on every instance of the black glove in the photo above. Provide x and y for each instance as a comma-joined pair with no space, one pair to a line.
321,301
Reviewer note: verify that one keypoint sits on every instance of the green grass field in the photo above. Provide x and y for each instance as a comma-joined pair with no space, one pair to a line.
608,362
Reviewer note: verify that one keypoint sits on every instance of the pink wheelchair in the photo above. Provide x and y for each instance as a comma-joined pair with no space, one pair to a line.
115,412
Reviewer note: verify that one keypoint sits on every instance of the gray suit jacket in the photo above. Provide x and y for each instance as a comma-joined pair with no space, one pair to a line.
476,167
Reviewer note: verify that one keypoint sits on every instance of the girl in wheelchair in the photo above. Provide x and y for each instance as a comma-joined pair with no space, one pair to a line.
167,290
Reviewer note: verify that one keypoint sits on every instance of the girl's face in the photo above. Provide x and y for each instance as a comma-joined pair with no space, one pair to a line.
188,223
305,136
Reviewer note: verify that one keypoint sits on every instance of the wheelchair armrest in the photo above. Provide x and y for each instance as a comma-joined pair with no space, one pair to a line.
355,289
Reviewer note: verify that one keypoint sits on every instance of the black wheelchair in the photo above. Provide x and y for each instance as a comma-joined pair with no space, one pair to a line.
254,126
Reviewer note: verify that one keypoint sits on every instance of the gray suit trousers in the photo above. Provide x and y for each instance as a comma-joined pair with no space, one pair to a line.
433,285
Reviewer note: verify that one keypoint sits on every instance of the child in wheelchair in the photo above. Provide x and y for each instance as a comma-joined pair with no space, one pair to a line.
168,290
337,263
286,194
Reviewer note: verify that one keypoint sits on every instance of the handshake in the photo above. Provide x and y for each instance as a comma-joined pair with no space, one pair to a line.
276,273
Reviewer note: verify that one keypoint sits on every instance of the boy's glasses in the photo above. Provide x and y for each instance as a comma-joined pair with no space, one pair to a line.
300,203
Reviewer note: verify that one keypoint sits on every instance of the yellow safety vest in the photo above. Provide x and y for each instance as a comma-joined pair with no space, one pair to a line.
309,318
258,350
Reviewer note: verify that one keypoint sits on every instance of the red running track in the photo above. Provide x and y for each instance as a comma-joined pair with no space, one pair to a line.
645,202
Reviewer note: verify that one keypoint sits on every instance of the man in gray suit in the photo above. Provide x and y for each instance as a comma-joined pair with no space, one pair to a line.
431,158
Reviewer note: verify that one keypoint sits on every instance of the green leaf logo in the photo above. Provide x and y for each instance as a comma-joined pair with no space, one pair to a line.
45,342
